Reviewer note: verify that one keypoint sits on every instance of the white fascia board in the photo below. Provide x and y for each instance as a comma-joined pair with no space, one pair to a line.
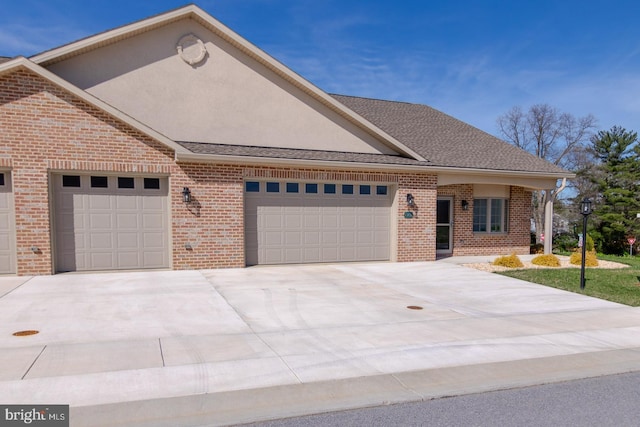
239,42
90,99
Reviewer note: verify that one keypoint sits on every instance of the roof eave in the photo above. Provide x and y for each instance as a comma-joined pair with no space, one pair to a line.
277,161
247,160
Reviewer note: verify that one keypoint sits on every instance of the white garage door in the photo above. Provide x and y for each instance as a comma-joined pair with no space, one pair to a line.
7,228
301,222
110,222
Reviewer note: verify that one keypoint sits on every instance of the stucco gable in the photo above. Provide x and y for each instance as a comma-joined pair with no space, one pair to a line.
21,63
235,94
46,127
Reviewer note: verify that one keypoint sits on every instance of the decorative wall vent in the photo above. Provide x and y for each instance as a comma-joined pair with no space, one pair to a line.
191,49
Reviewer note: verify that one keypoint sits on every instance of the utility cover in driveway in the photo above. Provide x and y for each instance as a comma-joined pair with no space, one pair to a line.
303,222
110,222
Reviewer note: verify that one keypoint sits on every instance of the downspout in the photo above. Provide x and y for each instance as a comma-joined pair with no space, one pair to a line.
548,217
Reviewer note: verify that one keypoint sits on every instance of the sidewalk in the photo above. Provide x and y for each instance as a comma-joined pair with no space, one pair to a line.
222,347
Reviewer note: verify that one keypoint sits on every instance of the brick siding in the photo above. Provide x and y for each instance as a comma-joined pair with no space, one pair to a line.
45,129
466,242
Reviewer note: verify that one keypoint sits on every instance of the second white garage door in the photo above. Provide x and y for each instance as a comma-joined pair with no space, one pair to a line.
110,222
304,222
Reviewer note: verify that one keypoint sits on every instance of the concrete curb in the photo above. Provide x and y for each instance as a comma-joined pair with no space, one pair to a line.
246,406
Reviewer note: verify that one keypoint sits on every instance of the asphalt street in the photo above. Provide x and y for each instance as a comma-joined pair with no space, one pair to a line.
602,401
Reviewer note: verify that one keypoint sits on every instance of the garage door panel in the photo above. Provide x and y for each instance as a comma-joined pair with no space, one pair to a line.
330,254
5,221
153,203
363,252
330,238
292,238
97,202
127,221
316,227
98,221
153,240
5,243
364,238
101,241
293,255
107,228
272,238
153,220
154,259
127,241
330,220
126,202
101,260
311,220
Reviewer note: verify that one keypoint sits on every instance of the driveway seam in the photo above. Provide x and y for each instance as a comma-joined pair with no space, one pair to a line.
34,362
254,332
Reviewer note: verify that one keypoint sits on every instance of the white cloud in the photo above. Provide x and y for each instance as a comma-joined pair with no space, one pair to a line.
26,40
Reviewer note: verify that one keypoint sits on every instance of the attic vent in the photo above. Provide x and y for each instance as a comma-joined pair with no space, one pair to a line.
191,49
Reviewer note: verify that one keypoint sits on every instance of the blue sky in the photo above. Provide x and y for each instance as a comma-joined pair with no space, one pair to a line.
471,59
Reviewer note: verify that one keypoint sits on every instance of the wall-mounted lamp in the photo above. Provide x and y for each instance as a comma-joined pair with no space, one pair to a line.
411,201
186,195
465,205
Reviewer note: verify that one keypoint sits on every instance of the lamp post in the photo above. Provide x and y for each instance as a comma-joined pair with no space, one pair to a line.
585,210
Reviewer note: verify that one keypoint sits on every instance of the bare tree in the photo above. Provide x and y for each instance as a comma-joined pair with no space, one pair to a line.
559,138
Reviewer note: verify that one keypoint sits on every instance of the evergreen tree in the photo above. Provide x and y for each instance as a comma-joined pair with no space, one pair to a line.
617,179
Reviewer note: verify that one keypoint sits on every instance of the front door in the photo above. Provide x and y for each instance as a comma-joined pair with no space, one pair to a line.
444,226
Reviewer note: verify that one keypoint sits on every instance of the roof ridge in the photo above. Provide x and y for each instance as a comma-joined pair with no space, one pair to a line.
377,99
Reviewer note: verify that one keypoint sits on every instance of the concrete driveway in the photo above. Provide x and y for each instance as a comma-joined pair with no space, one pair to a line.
219,347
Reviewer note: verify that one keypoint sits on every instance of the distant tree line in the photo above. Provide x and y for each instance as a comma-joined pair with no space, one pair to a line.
606,163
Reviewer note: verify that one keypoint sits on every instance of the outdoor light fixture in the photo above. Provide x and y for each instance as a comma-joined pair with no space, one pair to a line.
585,210
186,195
410,201
465,205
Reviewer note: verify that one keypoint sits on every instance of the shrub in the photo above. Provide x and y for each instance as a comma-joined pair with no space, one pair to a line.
509,261
590,244
591,260
537,248
565,242
549,260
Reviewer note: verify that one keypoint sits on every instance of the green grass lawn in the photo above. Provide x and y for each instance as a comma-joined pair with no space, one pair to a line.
619,285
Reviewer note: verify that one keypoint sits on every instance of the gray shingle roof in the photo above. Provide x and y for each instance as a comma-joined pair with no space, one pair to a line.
5,59
289,153
441,139
444,140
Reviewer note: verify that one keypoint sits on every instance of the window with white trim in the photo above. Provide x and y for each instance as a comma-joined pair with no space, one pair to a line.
490,215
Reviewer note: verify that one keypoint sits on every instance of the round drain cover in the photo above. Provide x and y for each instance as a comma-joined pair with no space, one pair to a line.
414,307
25,333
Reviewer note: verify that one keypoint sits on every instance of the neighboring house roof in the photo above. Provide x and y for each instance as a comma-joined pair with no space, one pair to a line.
444,140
